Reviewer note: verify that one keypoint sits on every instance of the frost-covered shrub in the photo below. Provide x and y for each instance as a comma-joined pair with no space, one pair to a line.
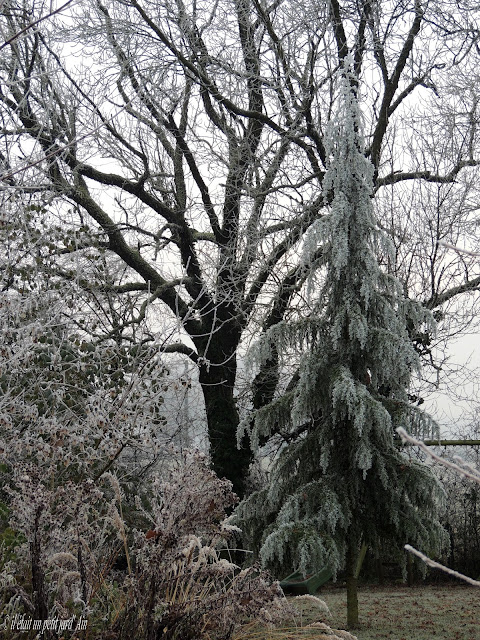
62,532
185,585
462,521
70,410
178,582
462,518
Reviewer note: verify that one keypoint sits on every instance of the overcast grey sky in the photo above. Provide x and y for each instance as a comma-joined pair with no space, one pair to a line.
452,407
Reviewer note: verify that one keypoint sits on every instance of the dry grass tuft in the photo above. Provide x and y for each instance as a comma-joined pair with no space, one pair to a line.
310,632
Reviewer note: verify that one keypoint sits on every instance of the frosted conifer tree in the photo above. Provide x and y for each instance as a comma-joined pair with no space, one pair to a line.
341,480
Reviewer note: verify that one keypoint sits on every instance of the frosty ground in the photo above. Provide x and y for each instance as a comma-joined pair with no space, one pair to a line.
404,613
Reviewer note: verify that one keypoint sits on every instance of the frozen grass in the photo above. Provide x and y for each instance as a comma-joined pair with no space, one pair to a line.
402,613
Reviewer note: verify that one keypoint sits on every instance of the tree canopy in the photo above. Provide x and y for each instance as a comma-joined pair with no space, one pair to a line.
186,144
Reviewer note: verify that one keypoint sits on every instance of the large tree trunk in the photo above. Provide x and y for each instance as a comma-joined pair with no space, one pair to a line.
217,381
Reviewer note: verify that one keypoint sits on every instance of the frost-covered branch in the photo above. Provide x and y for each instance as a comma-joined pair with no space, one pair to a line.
436,565
447,245
209,158
460,467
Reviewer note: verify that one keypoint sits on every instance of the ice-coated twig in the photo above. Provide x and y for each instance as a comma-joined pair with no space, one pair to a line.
458,250
436,565
464,469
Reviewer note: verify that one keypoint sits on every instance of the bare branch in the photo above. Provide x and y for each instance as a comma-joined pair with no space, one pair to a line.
436,565
179,347
465,470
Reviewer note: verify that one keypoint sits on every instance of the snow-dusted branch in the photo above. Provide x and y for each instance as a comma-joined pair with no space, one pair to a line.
436,565
35,23
447,245
460,466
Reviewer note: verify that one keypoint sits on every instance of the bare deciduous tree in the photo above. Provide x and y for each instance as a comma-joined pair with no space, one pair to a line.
187,139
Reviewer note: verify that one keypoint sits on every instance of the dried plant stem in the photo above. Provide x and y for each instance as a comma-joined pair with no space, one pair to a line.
124,537
447,245
38,575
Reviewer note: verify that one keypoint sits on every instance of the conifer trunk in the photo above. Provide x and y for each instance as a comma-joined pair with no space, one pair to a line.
410,570
352,588
380,572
